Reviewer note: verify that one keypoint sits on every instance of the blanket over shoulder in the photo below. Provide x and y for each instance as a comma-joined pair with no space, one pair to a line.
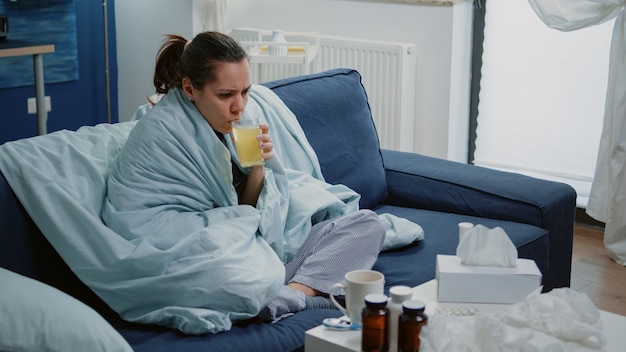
175,248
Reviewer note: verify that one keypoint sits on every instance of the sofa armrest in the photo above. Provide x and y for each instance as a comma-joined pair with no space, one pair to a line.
424,182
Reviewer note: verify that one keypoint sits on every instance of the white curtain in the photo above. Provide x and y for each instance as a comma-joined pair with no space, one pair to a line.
210,15
607,200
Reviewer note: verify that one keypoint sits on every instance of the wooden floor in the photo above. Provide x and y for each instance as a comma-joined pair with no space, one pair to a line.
594,274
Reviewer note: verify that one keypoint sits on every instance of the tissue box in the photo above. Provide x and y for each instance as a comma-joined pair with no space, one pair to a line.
483,284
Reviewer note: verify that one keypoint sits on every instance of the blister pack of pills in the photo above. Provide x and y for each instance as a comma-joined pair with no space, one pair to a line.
457,311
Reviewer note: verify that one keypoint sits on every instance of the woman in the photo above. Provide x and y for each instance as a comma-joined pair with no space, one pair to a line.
210,75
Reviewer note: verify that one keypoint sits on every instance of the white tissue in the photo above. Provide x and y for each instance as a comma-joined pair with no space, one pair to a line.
561,320
484,332
482,246
562,313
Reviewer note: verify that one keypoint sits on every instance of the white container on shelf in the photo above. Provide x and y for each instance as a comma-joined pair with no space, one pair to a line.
278,50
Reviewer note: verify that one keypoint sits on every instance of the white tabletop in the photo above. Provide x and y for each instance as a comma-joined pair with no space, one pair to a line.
321,339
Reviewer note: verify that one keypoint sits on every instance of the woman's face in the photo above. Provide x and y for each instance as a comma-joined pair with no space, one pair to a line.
222,101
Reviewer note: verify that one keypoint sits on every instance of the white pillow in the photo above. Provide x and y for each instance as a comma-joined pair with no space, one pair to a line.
38,317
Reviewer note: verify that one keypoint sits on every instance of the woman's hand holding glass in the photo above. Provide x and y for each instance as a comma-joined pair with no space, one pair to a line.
266,142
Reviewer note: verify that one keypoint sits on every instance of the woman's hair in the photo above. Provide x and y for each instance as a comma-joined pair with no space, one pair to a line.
177,58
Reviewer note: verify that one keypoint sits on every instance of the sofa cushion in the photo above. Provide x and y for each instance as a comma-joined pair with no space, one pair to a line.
38,317
347,144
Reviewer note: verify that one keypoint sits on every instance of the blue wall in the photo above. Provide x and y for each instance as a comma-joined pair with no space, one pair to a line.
76,103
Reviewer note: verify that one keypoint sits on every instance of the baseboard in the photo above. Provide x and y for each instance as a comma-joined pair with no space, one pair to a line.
583,219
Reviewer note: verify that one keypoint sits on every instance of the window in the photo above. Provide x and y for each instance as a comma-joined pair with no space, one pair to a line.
542,96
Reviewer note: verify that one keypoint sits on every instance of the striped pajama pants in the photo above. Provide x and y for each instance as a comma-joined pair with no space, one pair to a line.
335,247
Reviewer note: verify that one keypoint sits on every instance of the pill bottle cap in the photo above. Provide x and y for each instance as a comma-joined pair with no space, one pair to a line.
400,293
413,305
376,298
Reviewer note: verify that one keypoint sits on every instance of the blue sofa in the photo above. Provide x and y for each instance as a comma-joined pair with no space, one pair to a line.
333,110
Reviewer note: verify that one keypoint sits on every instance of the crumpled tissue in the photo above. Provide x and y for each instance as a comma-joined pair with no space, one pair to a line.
558,321
482,246
484,332
562,313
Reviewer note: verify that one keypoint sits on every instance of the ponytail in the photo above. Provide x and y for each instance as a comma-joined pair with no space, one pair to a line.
167,71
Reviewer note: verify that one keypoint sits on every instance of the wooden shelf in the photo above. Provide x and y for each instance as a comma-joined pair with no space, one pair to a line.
10,47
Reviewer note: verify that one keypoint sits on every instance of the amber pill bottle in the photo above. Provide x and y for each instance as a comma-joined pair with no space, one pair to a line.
375,324
410,324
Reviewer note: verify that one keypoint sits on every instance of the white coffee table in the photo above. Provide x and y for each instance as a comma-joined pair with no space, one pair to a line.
321,339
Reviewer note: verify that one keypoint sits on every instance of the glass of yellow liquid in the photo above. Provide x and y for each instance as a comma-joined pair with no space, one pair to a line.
248,147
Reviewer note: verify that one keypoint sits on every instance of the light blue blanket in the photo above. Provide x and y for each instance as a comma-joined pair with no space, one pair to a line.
176,249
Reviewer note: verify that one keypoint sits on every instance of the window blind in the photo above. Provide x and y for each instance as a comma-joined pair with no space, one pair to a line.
542,96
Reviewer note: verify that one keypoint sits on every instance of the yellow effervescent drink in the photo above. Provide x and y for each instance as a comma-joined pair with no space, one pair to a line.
248,148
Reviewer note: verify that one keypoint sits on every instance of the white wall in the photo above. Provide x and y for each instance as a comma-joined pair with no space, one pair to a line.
442,35
443,38
140,26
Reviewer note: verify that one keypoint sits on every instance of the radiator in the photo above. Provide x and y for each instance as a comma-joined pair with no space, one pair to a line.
388,71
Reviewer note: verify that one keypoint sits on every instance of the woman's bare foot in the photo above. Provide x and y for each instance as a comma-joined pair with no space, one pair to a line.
304,288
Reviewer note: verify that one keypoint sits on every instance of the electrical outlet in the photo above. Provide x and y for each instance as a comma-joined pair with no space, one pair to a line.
32,105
